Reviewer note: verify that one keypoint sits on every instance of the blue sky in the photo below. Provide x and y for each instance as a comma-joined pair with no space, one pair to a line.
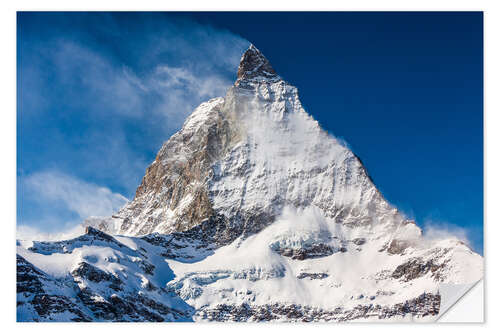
98,93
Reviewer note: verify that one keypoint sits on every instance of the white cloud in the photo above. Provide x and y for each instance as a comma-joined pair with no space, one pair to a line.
438,230
30,233
85,199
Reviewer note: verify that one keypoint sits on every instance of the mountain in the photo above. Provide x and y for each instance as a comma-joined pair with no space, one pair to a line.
250,212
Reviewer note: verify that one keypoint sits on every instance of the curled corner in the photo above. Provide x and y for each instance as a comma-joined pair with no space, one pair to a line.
461,302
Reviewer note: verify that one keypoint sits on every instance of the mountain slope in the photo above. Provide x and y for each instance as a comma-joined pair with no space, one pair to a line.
240,160
261,215
95,277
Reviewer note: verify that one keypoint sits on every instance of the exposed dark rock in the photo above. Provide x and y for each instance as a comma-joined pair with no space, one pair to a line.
46,305
137,308
94,274
97,234
28,277
313,251
415,268
423,305
397,246
312,276
254,64
147,267
359,241
30,289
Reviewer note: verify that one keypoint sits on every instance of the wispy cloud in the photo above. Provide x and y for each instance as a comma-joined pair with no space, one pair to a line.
92,81
438,230
109,89
83,198
30,233
167,77
95,83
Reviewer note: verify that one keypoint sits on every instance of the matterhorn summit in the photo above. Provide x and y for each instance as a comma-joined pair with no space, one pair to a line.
250,212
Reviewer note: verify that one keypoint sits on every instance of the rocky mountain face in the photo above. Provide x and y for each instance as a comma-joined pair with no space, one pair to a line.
94,277
240,160
251,212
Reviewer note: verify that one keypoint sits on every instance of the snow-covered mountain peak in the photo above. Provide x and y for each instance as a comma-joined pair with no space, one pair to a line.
239,161
251,211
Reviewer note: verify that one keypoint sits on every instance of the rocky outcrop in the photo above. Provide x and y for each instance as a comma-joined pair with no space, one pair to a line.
91,273
424,305
119,284
41,298
307,252
359,241
254,65
415,268
312,276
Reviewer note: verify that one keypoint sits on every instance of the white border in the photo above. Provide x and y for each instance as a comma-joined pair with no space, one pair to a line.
8,145
462,311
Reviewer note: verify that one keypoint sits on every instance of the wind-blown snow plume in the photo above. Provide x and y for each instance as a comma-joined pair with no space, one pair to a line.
438,230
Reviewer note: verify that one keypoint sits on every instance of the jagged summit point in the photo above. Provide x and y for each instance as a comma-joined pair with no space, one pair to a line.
254,64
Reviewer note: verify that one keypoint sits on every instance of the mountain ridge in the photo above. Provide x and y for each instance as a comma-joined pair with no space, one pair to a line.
216,121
